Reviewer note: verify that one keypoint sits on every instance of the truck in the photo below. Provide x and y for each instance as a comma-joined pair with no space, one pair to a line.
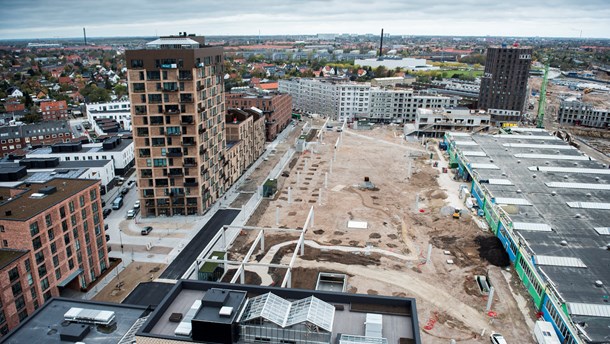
545,333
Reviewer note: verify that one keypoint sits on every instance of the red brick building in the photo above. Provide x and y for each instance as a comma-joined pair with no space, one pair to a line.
33,135
59,229
277,108
54,110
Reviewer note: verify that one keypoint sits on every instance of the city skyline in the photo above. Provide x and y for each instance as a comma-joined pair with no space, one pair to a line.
152,18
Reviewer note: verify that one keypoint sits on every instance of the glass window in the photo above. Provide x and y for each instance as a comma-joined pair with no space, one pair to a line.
48,220
34,228
51,234
81,200
13,274
37,243
44,284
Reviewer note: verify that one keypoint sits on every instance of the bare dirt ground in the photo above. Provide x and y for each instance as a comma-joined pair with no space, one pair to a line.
398,226
126,281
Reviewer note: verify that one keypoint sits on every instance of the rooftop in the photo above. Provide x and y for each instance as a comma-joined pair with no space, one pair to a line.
555,199
87,148
8,256
399,314
47,323
23,206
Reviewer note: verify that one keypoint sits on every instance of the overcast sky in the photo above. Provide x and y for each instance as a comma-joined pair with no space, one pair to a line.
66,18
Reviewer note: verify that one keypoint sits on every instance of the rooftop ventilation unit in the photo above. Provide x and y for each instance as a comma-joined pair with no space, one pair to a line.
89,316
48,190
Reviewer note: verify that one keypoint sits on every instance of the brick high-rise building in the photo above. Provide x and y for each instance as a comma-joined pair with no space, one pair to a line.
52,237
276,106
178,117
504,84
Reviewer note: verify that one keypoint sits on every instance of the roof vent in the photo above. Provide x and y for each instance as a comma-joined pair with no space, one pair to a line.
533,176
608,247
518,190
578,216
506,149
531,151
554,193
565,176
599,283
491,160
546,162
588,194
597,179
575,164
518,161
564,243
504,174
48,190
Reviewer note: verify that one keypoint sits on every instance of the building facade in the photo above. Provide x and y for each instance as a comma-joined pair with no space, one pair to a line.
60,225
277,108
579,113
118,111
177,107
54,110
435,122
245,140
13,288
117,149
32,135
350,100
504,83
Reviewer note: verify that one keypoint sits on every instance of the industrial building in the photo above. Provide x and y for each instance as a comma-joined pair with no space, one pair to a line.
56,232
178,110
198,311
579,113
548,204
504,82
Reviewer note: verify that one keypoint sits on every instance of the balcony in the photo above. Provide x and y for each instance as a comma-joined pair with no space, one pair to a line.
168,66
187,120
188,143
173,133
186,99
174,154
170,89
189,163
171,111
141,112
200,87
175,174
191,182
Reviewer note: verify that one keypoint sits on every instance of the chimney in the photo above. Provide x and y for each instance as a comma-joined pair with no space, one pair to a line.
381,44
85,35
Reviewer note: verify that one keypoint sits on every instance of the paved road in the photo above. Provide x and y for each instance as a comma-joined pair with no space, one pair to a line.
188,255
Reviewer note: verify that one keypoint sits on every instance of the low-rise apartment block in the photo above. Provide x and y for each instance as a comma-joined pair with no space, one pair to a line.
23,136
276,106
245,131
60,225
343,100
119,111
585,114
54,110
119,150
435,122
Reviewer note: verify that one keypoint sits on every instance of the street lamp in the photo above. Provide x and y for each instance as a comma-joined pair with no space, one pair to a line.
121,239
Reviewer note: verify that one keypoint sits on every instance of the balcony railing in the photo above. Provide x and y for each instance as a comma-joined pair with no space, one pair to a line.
189,164
186,100
171,111
188,143
170,89
191,183
174,154
173,133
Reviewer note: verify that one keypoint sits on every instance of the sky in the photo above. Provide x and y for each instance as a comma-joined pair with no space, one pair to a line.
108,18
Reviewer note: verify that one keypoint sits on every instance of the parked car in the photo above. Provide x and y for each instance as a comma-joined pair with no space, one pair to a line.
103,203
136,205
124,191
146,230
106,212
497,338
79,128
131,214
131,183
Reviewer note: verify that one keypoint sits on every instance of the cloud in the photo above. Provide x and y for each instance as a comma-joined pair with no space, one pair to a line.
65,18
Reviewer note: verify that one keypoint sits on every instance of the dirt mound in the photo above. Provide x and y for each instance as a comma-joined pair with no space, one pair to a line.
252,278
490,249
437,194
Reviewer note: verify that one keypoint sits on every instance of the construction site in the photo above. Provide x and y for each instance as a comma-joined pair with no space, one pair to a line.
382,217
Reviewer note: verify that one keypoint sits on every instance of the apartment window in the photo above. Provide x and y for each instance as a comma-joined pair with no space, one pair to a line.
81,199
42,270
20,303
13,274
160,162
39,257
44,284
16,288
57,274
34,228
71,206
93,194
37,243
71,264
137,63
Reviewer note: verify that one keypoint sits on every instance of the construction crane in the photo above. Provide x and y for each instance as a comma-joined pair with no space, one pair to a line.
542,99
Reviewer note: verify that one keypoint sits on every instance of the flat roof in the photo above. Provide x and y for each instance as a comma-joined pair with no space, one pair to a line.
552,179
22,207
7,256
87,148
399,314
46,324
